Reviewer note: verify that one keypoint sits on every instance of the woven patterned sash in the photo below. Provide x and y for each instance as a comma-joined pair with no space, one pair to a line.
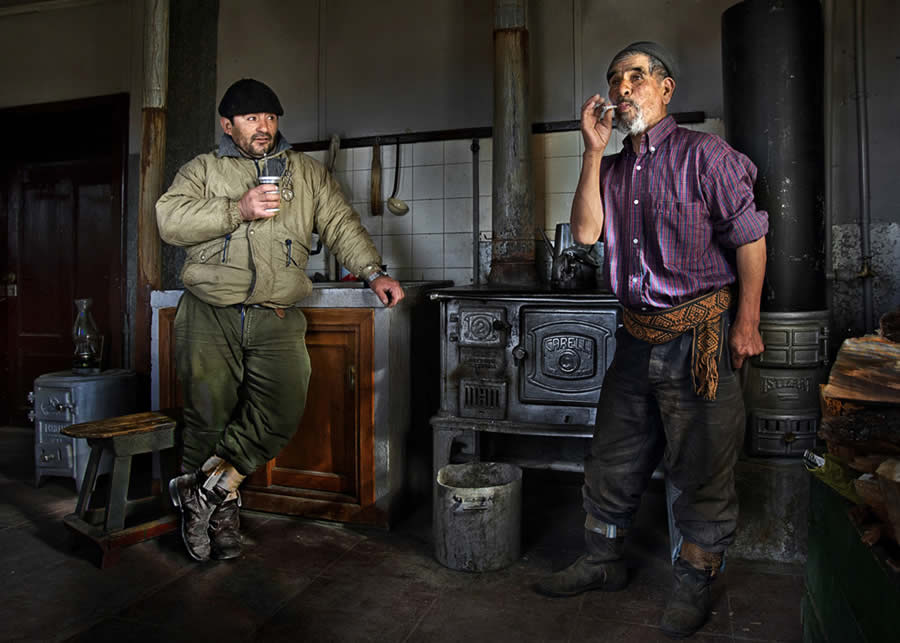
701,315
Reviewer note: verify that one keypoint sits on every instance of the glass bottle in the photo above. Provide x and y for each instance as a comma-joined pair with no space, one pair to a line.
88,340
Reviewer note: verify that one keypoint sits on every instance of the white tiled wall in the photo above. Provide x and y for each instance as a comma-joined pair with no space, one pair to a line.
434,239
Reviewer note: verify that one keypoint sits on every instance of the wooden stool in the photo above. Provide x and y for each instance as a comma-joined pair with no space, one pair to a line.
123,437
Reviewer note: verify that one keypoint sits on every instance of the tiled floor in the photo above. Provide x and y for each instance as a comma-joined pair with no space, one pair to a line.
314,581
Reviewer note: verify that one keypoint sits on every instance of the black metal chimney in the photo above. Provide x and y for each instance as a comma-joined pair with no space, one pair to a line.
512,214
772,63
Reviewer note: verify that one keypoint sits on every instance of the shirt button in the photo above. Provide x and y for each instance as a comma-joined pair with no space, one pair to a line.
202,256
634,241
637,167
634,279
636,201
652,149
252,231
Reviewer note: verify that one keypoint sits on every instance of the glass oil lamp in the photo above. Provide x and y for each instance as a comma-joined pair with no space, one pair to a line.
88,341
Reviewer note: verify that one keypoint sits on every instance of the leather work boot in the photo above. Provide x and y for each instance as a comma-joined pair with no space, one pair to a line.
196,505
224,529
689,603
602,567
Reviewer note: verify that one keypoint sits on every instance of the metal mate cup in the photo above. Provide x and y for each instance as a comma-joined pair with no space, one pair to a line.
271,180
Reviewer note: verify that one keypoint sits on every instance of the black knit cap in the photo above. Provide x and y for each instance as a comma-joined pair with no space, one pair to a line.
654,49
248,96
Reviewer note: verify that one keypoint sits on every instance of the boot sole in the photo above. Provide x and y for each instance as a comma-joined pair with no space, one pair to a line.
176,500
600,586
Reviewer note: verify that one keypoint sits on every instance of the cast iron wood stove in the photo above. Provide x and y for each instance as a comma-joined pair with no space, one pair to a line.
521,373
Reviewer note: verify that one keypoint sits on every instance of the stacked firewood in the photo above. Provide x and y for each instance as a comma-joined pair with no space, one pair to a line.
861,426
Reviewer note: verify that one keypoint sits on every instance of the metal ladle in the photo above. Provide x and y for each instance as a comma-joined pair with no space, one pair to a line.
395,205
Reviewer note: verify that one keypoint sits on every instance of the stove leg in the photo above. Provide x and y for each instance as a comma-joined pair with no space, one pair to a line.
442,447
445,439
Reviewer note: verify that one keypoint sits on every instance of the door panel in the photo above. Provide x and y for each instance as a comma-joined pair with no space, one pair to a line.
322,454
63,235
42,334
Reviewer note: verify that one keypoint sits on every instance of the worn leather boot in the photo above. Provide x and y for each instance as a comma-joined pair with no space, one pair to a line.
196,505
224,529
689,604
601,567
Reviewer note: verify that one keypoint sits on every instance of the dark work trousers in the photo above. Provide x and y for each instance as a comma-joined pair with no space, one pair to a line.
244,372
649,411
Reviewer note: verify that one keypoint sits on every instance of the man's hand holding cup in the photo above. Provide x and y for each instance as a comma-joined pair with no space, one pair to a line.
263,201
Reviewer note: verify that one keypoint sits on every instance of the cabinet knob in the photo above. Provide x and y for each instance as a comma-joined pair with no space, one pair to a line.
351,376
31,416
519,353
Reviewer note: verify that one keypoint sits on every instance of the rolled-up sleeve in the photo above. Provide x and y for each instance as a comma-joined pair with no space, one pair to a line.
728,190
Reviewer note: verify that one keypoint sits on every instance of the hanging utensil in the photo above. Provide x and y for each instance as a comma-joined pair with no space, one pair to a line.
394,204
333,148
375,196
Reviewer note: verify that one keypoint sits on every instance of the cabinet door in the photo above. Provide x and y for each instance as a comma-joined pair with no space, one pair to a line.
327,470
332,447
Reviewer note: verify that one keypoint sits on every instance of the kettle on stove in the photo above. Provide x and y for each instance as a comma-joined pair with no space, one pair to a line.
574,266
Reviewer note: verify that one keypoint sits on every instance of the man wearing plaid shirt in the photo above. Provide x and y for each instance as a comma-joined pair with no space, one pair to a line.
685,249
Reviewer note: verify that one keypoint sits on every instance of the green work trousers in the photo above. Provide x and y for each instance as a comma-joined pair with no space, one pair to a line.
244,372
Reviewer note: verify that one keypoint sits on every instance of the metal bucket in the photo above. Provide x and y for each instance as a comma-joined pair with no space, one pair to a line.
478,516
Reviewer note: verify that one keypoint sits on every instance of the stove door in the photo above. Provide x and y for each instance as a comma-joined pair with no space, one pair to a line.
564,354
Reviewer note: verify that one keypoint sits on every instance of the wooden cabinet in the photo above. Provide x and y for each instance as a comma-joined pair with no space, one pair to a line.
327,470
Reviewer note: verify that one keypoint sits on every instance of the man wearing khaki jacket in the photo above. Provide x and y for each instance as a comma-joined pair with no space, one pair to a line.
239,338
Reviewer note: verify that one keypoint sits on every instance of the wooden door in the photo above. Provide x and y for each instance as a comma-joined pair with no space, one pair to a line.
63,233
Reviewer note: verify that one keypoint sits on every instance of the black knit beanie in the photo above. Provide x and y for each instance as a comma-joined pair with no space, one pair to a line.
654,49
248,96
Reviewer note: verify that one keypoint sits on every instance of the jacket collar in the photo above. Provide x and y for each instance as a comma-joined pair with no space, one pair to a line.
228,148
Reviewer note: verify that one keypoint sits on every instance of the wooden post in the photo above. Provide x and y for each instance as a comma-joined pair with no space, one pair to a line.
153,152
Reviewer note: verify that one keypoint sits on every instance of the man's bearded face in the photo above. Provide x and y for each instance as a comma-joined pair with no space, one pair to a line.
254,134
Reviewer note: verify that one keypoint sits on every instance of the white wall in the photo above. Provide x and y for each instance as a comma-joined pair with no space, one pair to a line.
76,52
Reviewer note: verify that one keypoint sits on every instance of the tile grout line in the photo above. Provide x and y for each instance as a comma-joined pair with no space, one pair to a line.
421,618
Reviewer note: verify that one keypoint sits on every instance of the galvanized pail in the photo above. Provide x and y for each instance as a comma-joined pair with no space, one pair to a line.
478,516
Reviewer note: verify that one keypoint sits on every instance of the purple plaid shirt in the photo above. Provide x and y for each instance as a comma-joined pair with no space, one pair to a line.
674,214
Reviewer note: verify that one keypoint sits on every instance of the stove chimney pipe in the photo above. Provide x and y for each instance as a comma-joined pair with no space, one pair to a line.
512,214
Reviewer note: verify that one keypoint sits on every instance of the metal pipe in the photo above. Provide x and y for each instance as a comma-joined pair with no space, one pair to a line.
773,114
468,132
476,216
512,212
862,137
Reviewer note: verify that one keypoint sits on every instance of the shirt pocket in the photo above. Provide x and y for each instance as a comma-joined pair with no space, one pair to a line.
683,230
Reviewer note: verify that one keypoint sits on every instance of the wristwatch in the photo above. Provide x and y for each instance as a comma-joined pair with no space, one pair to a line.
375,275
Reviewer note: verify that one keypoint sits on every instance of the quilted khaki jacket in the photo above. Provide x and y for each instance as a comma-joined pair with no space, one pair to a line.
231,261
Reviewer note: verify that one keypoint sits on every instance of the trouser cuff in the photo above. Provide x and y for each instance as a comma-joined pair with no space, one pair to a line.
605,529
222,475
699,558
